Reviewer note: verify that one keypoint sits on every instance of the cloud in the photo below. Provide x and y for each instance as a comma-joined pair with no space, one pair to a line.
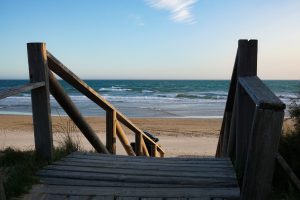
136,19
180,9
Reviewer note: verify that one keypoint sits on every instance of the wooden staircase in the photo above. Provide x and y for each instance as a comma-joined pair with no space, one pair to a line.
99,176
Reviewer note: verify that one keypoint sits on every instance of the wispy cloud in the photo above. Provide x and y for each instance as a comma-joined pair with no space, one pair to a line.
136,19
180,9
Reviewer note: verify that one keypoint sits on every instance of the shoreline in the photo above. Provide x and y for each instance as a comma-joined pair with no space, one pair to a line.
178,136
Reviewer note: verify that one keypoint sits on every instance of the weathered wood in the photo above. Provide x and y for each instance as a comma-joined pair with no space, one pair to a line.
123,139
153,150
138,144
41,111
244,121
97,170
111,131
99,183
295,180
247,66
231,149
226,130
247,58
121,165
263,97
144,147
144,192
60,69
263,147
20,89
135,178
148,159
70,108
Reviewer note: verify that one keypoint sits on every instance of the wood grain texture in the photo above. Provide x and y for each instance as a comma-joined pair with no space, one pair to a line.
124,141
261,94
111,129
97,175
262,151
41,111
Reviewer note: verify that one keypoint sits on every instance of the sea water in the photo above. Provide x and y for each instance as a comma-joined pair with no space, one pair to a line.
149,98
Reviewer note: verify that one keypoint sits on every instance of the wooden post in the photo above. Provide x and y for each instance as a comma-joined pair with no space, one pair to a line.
41,112
66,103
247,66
122,136
262,151
144,148
153,150
111,131
138,144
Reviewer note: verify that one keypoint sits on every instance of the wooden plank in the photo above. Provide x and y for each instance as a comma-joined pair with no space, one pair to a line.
144,148
231,149
247,58
295,180
138,144
111,131
247,66
244,121
200,179
70,108
91,159
144,192
41,111
215,173
98,183
20,89
120,165
123,139
262,151
153,150
166,159
261,94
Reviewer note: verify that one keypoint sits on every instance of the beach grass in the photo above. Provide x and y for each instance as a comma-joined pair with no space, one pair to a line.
18,168
289,148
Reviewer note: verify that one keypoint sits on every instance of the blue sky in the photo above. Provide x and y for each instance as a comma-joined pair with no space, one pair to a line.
151,39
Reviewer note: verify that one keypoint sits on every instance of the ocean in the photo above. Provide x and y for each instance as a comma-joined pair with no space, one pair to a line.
150,98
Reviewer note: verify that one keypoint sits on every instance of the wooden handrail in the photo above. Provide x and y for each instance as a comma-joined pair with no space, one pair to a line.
67,104
61,70
288,171
262,96
20,89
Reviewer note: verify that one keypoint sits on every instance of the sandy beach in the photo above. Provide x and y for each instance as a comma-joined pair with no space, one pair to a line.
178,136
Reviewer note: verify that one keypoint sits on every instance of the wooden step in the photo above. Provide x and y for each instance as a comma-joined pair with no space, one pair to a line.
97,176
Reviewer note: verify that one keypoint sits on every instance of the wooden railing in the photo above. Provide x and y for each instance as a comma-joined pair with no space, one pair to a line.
251,125
114,118
42,66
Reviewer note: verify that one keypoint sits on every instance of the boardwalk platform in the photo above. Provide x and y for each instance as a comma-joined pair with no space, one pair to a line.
98,176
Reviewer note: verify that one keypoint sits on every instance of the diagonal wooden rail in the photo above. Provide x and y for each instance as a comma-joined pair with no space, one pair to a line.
113,115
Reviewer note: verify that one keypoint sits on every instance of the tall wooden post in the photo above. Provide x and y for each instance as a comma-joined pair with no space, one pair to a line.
247,66
111,131
41,112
